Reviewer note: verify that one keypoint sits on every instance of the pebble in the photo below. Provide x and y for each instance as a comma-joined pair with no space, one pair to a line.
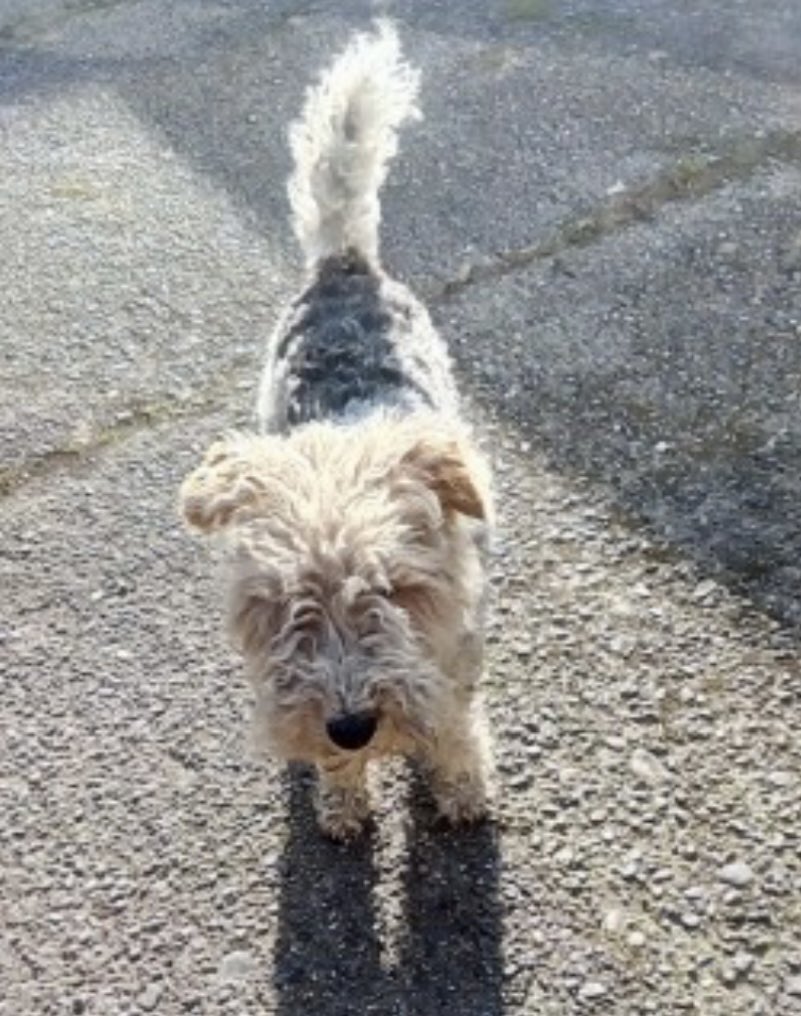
237,965
149,998
646,767
738,873
704,589
793,985
614,920
592,989
522,649
742,962
636,940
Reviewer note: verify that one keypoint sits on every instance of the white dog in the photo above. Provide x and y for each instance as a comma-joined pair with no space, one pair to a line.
355,522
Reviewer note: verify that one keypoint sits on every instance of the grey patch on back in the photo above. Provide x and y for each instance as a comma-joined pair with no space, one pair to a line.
354,341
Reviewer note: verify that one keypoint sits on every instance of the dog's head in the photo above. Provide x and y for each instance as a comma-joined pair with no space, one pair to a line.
353,571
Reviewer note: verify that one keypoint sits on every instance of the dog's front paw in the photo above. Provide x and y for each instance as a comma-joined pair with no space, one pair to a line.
342,812
463,799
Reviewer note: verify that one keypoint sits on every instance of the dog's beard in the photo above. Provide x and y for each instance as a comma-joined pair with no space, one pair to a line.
310,671
292,724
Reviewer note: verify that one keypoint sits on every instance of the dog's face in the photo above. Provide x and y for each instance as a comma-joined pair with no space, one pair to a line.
353,573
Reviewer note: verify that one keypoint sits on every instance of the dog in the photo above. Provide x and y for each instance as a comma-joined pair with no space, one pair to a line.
355,522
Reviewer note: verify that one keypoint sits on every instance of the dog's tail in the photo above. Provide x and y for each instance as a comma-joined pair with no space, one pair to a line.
342,143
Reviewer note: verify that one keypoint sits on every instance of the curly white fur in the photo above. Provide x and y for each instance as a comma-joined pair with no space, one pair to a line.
343,142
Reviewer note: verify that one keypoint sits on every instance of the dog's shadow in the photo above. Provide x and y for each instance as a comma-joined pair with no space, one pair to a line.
328,954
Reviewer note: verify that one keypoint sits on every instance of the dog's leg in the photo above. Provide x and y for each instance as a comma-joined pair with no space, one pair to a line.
342,802
460,761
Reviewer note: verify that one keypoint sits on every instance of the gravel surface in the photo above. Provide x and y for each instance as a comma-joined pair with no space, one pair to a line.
602,207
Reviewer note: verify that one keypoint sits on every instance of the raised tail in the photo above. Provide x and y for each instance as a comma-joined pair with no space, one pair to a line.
343,141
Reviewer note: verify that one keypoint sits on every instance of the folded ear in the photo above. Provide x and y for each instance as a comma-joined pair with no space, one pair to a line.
227,482
454,472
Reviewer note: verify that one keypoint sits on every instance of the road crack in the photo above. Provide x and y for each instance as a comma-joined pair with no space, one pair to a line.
690,178
132,419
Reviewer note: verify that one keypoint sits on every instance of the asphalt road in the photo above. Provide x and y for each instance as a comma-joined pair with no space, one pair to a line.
603,208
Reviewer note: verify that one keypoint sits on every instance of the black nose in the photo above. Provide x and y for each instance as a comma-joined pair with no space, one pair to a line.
351,730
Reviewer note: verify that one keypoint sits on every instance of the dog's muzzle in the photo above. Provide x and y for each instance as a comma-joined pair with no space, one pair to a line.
352,731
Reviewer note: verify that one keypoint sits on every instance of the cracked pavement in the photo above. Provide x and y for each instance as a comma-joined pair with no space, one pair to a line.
603,207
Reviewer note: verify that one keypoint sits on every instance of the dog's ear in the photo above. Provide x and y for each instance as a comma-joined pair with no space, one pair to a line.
454,472
226,483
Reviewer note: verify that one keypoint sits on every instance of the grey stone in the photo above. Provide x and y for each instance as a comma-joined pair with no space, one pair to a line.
237,965
590,990
738,874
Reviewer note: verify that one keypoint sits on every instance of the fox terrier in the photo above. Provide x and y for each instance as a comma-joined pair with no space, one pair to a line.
355,522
